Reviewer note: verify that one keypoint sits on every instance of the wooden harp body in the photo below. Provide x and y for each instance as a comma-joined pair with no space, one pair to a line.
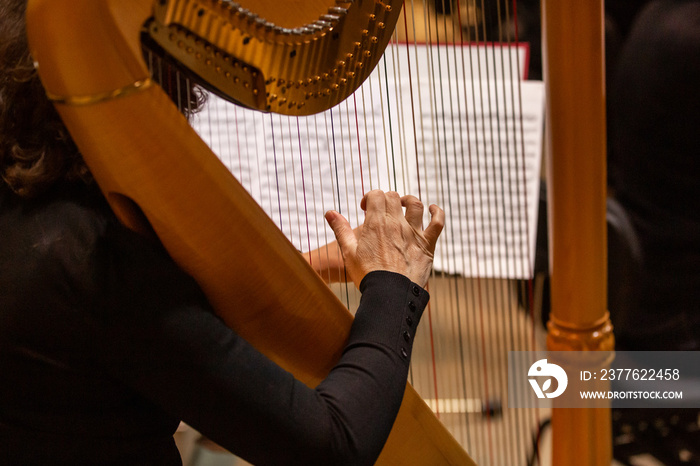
90,61
158,174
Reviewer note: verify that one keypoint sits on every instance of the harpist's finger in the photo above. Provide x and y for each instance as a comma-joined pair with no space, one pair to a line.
414,211
373,200
393,204
437,223
343,232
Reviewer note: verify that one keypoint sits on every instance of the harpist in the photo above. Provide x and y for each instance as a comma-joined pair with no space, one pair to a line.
106,345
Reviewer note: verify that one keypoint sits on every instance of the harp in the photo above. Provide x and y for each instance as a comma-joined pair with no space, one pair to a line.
90,60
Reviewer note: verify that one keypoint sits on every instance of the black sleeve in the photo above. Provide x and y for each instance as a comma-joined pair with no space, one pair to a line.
161,338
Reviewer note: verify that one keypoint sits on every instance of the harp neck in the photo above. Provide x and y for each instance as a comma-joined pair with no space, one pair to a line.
96,67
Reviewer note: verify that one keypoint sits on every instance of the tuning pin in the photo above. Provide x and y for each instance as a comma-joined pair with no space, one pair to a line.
232,7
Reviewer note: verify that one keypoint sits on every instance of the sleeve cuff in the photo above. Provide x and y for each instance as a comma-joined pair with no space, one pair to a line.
390,311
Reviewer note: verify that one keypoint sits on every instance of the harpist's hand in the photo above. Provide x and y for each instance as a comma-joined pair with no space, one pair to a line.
390,240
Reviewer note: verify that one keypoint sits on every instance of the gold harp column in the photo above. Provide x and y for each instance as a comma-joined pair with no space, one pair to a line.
576,167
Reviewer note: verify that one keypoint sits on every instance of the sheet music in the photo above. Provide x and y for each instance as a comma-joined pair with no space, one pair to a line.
486,61
471,146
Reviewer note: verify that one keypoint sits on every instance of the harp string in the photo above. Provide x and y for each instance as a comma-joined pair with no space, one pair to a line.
238,141
514,215
458,285
413,112
486,365
359,147
259,125
482,235
299,195
524,232
433,372
465,286
348,156
303,186
442,173
452,130
506,298
439,347
369,159
313,192
432,316
291,176
343,286
486,438
519,159
277,180
281,173
400,116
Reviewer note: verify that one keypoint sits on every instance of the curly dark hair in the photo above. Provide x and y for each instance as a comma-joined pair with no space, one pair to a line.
35,147
36,150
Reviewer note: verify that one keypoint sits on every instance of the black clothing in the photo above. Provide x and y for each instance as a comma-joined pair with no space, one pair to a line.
105,345
655,175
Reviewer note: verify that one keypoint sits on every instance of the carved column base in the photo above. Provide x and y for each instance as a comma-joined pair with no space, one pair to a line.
598,336
583,434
